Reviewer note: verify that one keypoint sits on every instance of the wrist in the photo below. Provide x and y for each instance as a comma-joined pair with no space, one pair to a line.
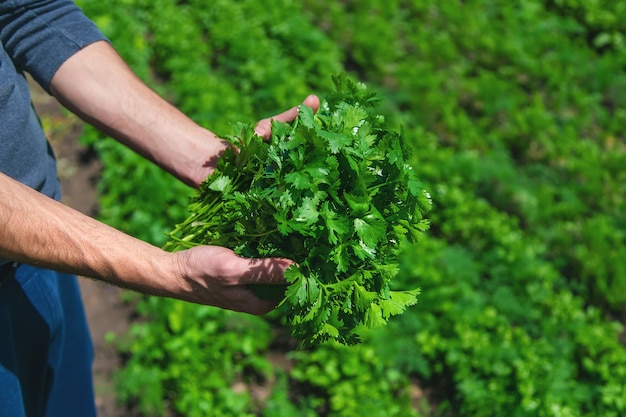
187,282
209,148
139,266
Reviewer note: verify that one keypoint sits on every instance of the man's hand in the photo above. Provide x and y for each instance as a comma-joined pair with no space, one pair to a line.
264,127
216,276
41,231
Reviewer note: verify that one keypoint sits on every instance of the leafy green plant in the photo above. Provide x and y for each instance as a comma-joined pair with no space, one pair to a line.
203,362
341,381
517,119
334,192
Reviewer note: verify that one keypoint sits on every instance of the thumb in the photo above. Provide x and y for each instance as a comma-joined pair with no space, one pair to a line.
264,127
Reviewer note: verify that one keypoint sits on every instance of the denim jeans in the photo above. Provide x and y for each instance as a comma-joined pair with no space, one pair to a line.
46,352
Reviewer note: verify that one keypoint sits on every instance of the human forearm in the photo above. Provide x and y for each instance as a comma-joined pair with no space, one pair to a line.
38,230
97,85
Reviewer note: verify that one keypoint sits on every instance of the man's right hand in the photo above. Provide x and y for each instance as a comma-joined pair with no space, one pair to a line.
216,276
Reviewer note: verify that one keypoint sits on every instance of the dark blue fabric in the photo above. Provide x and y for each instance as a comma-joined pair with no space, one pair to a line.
45,348
40,35
24,152
35,37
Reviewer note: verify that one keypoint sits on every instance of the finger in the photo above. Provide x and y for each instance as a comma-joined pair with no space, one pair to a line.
261,308
242,299
264,127
313,102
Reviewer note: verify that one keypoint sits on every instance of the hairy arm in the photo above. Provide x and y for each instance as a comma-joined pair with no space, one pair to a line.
96,84
41,231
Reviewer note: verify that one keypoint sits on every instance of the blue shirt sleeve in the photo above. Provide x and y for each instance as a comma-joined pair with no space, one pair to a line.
41,35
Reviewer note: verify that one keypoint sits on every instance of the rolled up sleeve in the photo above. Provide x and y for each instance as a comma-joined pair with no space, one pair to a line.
41,35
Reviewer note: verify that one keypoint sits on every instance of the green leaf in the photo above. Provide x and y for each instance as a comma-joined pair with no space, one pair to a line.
352,115
363,251
374,317
359,204
297,292
313,289
318,170
300,180
337,225
371,229
221,184
398,302
314,309
306,117
340,255
307,213
363,299
394,152
330,330
293,274
283,224
387,271
336,141
286,200
425,201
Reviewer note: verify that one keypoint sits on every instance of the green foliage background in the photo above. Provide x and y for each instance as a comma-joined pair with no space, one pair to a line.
517,115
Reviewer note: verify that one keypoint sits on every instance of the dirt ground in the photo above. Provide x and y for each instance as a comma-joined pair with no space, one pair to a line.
106,312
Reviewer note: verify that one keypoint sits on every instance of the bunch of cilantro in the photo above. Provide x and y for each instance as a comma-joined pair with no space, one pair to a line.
332,191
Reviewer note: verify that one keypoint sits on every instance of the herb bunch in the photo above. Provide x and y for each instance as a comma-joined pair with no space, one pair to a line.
332,191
